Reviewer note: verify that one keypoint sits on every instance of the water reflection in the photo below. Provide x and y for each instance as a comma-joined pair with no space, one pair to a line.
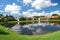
36,28
8,25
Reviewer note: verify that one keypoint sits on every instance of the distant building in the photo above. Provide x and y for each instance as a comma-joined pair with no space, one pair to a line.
55,15
0,18
17,19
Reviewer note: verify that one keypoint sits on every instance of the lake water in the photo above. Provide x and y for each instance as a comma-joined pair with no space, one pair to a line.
35,28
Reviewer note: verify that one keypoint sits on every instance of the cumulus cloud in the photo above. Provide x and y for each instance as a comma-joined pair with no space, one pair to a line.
26,2
39,4
55,12
31,13
13,9
27,14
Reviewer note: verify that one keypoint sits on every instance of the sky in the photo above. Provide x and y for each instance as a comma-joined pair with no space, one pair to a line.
29,8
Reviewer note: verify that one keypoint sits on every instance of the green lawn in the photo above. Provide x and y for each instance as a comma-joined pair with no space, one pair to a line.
19,21
10,35
29,21
50,20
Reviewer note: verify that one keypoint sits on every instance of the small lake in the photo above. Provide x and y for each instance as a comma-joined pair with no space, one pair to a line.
34,28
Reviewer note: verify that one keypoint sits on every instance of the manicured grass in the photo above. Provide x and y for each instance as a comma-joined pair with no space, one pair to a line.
18,21
6,34
50,20
29,21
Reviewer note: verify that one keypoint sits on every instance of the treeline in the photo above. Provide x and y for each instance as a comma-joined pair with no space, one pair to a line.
11,18
57,17
6,18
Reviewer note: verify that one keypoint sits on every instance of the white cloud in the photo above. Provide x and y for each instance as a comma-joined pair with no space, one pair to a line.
39,4
13,9
26,2
27,14
55,12
31,13
15,12
41,13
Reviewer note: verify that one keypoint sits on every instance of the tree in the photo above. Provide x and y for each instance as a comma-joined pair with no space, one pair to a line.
55,15
1,15
9,18
22,18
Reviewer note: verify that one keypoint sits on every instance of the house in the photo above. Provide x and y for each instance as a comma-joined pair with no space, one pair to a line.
1,19
54,16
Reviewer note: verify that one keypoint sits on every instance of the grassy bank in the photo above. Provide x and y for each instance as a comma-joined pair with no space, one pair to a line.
50,20
27,21
19,21
10,35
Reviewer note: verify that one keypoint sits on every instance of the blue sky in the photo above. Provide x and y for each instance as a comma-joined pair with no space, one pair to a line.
29,7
